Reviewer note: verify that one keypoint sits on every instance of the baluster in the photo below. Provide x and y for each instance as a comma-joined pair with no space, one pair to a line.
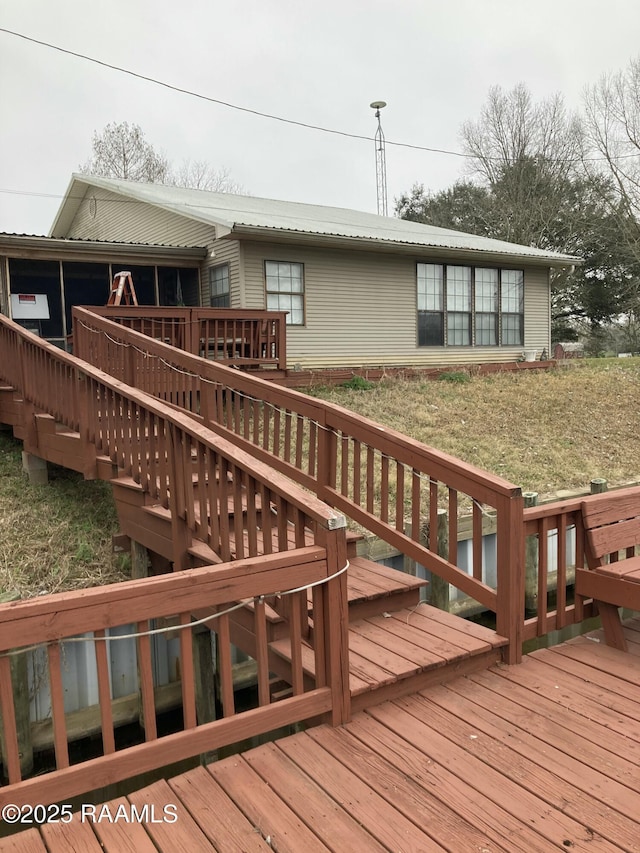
224,666
543,555
399,496
187,672
251,501
295,633
561,575
287,435
145,674
416,507
477,541
370,480
262,656
453,527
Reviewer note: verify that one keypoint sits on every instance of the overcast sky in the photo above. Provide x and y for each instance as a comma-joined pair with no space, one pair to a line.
315,62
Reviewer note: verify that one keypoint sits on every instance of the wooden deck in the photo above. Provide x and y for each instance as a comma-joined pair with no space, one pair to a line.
536,757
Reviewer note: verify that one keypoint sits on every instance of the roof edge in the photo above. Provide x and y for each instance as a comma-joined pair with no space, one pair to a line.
377,244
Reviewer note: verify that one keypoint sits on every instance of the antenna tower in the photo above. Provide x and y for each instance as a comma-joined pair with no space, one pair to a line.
381,161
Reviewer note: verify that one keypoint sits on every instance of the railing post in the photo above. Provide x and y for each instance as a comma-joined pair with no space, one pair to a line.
327,460
510,574
281,342
336,624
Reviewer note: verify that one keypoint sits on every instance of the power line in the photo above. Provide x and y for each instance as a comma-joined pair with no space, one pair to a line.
222,103
261,114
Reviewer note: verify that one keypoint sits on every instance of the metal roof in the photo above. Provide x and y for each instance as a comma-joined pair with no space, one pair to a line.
12,236
230,214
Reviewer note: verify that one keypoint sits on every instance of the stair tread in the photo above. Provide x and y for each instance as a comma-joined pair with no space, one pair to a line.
386,648
201,551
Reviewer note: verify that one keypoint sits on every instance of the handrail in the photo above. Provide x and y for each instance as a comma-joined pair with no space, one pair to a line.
42,389
386,482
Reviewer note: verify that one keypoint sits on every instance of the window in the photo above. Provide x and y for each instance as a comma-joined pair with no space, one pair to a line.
486,307
458,293
464,306
219,291
430,305
512,309
285,290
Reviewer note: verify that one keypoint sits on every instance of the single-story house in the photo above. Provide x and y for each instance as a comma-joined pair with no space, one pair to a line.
360,289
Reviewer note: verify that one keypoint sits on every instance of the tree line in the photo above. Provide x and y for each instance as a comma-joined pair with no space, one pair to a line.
541,176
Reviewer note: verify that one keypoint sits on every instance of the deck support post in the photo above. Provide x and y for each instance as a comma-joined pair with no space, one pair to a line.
531,550
205,687
439,588
598,485
35,468
510,574
139,569
21,702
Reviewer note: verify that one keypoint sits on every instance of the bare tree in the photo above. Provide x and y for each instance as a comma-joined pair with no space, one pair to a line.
525,152
200,175
121,151
612,139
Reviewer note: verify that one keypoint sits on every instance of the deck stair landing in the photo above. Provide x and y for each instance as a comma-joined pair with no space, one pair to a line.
395,652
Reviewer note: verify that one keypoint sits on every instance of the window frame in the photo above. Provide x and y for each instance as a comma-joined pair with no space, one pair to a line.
504,323
283,294
225,295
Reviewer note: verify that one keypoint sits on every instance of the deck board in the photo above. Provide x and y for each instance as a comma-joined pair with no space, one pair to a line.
181,836
536,757
285,830
118,836
225,826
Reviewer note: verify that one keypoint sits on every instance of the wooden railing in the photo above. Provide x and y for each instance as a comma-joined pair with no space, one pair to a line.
555,546
211,487
243,337
386,482
88,616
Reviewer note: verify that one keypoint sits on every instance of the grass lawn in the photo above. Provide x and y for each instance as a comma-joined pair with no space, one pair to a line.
542,430
53,537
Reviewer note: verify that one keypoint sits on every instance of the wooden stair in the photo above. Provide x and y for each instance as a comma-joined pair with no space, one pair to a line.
397,645
398,652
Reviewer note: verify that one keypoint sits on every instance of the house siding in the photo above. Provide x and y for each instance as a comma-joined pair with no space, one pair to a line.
537,310
361,310
224,252
121,219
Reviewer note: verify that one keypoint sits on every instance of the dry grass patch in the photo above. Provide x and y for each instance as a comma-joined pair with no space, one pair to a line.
542,430
54,537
